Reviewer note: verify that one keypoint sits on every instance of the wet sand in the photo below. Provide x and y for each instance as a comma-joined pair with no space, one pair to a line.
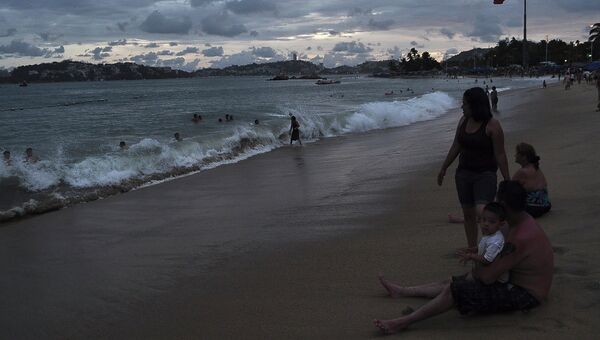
288,244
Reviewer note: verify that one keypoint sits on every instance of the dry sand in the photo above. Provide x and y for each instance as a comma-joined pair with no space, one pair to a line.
369,210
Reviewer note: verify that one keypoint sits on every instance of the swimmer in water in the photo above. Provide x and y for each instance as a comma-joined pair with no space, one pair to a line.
29,157
7,159
177,137
123,146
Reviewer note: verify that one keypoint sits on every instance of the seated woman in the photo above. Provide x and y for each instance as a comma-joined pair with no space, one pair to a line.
533,180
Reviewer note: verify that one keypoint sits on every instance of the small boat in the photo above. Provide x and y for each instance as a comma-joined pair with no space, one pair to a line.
23,84
327,82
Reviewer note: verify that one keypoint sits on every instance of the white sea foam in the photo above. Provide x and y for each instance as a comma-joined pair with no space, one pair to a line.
151,156
380,115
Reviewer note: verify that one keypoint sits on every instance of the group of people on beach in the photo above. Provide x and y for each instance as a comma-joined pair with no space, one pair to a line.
514,261
29,157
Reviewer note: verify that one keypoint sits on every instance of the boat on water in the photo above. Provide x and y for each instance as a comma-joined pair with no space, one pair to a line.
23,84
327,82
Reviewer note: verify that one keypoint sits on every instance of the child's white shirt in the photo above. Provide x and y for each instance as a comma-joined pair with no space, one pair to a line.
489,247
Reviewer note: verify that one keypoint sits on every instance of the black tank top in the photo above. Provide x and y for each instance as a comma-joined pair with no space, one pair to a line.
476,149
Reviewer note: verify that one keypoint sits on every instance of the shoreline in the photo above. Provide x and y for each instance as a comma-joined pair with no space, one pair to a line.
328,219
26,204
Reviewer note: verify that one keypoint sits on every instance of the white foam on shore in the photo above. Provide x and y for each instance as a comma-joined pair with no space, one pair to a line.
381,115
150,156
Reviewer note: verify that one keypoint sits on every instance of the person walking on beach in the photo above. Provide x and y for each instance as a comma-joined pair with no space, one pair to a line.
532,179
494,99
479,141
527,256
295,131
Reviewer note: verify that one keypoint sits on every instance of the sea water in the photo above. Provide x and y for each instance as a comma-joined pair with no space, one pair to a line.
75,128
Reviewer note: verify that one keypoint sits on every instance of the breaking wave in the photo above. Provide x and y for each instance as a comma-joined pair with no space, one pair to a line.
52,184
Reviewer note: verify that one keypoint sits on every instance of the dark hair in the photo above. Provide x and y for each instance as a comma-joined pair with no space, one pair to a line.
28,149
513,195
528,151
293,117
496,209
479,104
6,152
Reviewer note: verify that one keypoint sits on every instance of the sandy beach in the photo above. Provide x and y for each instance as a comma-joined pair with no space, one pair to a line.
288,244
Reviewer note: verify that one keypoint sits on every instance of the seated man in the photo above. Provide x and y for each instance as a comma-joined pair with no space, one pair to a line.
527,256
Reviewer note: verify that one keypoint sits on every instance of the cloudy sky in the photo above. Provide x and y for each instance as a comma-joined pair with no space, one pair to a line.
190,34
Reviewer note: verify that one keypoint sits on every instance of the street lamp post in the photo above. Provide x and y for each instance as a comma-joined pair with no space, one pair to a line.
525,61
546,51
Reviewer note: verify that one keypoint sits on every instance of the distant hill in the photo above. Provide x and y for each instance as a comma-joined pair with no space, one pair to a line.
69,70
476,53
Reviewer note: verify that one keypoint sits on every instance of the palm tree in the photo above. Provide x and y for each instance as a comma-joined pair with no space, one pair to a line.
594,35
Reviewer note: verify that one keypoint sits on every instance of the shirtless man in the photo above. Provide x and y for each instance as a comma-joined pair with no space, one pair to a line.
527,255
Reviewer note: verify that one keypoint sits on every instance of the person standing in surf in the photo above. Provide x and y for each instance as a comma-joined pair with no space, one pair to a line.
479,141
295,131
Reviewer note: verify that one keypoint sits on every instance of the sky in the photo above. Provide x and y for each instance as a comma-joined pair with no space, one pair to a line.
192,34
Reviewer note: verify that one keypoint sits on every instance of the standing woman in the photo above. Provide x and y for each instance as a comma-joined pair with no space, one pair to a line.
479,140
295,131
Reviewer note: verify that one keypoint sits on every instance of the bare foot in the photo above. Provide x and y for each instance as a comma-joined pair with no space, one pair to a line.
455,219
393,289
390,326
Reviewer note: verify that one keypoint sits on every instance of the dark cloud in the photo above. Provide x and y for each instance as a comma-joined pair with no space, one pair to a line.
253,33
24,49
100,53
157,22
249,6
264,52
579,5
153,59
352,47
213,51
486,29
395,52
416,44
47,36
382,25
188,50
221,24
151,45
165,52
118,42
198,3
172,43
357,11
447,32
252,55
8,33
309,48
59,50
122,26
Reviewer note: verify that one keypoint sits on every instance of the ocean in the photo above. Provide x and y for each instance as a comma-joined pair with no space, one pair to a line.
75,128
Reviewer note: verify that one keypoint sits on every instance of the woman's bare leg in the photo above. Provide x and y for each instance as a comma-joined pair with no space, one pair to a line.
470,215
429,290
441,303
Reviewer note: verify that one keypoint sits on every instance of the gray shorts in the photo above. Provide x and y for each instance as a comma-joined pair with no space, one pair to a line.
475,187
